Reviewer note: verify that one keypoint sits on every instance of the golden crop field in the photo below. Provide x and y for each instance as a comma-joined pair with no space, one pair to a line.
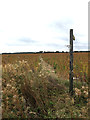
61,64
37,86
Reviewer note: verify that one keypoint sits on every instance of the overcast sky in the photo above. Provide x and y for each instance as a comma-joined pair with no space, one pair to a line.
42,25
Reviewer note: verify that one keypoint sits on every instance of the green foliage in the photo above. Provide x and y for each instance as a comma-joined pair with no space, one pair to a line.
55,65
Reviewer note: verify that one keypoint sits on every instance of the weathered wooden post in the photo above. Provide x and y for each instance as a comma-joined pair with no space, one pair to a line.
71,62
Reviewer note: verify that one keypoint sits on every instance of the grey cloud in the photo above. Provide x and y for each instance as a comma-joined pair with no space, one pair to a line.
81,47
27,40
62,38
78,45
63,25
15,44
52,44
22,42
55,45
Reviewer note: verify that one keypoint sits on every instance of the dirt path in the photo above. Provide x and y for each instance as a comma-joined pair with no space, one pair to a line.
49,71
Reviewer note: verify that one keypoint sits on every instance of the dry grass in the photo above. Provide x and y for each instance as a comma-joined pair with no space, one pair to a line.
29,93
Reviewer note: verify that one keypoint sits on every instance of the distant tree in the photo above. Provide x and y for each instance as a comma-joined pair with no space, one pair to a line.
40,51
57,51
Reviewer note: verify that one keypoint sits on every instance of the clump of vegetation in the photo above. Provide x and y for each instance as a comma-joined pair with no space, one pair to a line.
55,65
29,93
26,91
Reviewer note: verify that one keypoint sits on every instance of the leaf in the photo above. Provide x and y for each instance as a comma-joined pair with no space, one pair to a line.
73,37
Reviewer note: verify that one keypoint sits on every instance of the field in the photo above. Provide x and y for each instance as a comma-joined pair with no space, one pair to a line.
61,62
37,85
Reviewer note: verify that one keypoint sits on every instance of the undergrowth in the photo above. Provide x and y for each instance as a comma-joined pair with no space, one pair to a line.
28,93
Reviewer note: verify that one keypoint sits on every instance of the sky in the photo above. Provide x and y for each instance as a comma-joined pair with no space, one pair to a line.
43,25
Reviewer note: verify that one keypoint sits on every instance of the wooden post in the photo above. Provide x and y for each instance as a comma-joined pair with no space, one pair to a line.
71,63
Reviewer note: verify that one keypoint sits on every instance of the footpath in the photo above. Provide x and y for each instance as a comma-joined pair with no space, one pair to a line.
50,72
